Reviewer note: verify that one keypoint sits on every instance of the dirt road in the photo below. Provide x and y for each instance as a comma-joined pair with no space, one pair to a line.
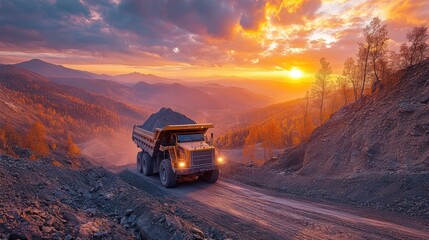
252,213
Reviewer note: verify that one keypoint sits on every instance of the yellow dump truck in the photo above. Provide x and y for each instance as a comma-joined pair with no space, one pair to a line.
175,151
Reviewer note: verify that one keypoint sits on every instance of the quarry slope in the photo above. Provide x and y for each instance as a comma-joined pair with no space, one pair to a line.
372,153
387,132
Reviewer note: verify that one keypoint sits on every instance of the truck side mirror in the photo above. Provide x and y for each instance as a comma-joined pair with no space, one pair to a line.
211,138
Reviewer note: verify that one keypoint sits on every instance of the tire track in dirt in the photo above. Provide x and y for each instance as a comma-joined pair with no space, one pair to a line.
254,213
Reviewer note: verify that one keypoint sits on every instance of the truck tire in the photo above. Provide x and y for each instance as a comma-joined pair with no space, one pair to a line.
139,161
166,174
147,164
211,176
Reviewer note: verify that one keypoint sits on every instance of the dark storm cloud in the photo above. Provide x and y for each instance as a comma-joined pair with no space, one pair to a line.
158,17
153,26
253,14
63,24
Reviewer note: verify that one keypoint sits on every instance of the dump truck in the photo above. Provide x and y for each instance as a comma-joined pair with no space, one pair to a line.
177,151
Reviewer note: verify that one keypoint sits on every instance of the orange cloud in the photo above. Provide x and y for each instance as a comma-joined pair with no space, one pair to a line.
231,37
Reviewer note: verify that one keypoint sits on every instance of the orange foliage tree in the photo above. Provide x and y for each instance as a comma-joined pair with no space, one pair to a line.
35,139
271,136
249,148
72,149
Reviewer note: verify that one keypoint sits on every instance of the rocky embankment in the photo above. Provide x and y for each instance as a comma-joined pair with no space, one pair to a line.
372,153
402,193
63,199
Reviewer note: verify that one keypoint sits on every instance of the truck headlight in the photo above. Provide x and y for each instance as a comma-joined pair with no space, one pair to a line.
182,164
220,160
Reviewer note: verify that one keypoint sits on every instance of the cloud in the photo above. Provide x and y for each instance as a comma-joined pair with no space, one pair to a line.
197,32
297,12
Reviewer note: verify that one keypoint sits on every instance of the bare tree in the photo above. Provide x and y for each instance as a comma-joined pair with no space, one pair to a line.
371,50
333,103
304,135
397,61
363,59
377,53
350,73
343,87
322,85
418,38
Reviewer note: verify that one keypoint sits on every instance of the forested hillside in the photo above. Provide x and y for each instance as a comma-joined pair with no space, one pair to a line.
26,98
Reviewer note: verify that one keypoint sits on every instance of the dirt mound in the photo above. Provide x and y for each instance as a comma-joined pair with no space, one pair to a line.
165,117
387,132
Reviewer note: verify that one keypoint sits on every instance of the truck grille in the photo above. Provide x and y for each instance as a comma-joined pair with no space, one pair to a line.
201,158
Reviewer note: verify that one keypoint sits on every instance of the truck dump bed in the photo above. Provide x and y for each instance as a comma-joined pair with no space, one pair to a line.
151,141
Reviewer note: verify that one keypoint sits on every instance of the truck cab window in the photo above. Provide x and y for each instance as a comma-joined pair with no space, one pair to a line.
190,137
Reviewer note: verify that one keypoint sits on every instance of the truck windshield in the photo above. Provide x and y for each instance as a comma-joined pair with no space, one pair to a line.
190,137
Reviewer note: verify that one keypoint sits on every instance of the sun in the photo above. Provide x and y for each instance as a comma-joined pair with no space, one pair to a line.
295,73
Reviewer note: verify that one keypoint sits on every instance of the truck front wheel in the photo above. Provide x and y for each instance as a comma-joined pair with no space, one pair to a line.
211,176
147,164
139,161
166,174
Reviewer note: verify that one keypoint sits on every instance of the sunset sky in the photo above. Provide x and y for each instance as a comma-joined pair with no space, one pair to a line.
197,38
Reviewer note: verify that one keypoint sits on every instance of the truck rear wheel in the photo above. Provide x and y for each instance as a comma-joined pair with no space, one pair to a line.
139,161
147,164
166,174
211,176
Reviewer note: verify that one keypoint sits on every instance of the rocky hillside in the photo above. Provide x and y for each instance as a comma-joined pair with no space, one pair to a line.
61,198
372,153
388,132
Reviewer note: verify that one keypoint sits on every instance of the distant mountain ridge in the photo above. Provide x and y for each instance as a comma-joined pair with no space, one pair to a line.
155,92
141,77
51,70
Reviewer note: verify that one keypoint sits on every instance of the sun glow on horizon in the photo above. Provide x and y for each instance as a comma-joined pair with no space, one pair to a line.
295,73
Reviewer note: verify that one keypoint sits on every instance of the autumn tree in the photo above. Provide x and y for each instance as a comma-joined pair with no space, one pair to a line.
418,38
9,138
35,139
322,85
12,136
271,136
3,139
249,149
72,149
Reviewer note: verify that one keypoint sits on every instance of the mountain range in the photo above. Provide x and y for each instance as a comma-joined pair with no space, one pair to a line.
26,97
153,92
